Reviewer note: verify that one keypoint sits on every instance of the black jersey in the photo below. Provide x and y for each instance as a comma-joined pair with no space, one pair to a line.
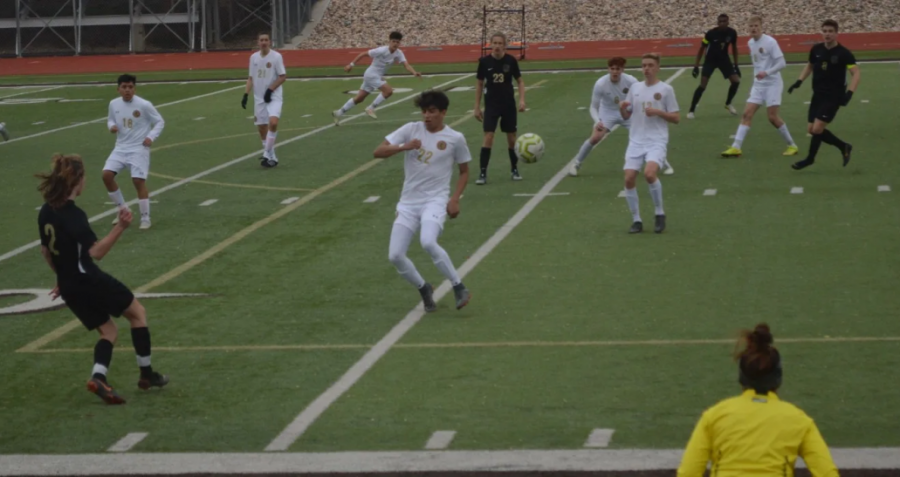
829,68
498,78
68,236
717,41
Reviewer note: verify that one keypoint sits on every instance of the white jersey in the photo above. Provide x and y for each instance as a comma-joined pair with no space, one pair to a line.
430,169
607,95
137,120
767,56
382,59
646,130
265,70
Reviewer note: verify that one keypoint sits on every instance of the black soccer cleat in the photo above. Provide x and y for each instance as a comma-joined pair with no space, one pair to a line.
268,163
427,292
636,228
803,164
155,380
848,149
514,175
482,179
660,224
462,295
263,160
104,391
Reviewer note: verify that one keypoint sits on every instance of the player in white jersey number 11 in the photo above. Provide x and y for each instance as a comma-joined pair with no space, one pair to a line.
768,61
373,79
137,125
431,151
267,74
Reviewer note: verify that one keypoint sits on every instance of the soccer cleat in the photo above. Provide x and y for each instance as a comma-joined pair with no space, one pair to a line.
802,164
636,228
155,380
660,224
848,149
691,115
669,170
462,296
515,175
731,109
371,112
337,116
573,171
269,163
482,179
4,132
104,391
732,152
427,292
145,224
791,151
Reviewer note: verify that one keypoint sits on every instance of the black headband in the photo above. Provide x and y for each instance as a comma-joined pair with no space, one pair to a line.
762,382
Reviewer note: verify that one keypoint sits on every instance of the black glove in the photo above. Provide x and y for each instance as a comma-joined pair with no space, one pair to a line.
737,71
847,97
268,96
696,72
244,101
794,86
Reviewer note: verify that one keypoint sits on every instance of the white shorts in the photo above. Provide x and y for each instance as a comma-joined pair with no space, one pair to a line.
138,162
610,120
770,94
372,83
412,216
263,110
638,155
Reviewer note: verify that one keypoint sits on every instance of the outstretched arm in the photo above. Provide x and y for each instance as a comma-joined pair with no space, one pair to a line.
386,149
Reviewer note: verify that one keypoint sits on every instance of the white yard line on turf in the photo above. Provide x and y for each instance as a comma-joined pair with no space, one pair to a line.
308,416
31,92
207,172
51,131
128,442
390,463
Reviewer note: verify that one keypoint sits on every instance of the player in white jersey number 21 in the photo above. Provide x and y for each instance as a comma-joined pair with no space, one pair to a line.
650,105
431,151
768,61
136,124
267,74
373,79
609,91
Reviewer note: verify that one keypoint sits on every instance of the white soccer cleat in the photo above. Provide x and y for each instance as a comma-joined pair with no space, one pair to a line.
371,113
145,224
669,170
573,170
337,117
690,115
4,132
731,109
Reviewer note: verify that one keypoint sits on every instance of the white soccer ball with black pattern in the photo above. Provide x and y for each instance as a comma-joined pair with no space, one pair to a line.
529,148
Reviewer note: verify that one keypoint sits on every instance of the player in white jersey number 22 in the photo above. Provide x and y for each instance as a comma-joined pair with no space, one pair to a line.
650,105
137,125
431,151
768,61
609,91
267,74
373,79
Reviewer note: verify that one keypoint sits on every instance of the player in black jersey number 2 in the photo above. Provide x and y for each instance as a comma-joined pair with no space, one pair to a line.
495,80
715,45
828,62
70,248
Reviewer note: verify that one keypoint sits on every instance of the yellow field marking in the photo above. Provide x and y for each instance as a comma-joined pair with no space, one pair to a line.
230,184
498,344
179,270
471,115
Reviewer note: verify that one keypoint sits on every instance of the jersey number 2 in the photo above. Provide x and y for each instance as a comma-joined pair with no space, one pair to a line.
498,77
261,73
51,232
425,156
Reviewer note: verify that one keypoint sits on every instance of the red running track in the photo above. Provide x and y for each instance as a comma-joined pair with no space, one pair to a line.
416,55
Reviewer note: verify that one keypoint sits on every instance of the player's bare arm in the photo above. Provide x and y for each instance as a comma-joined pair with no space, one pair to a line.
673,117
360,56
521,83
386,149
625,110
411,70
461,182
479,91
104,245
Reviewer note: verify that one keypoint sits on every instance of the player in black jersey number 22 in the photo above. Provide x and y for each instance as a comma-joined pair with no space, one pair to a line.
70,248
828,62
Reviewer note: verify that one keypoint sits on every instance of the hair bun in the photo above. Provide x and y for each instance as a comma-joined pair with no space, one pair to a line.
762,336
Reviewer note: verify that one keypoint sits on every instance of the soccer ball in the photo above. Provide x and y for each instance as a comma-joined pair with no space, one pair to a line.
529,148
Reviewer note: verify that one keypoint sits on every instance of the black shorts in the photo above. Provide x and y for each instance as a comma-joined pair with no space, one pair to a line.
725,66
94,299
823,107
507,115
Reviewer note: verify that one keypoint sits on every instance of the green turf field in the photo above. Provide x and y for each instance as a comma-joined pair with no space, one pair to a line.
574,324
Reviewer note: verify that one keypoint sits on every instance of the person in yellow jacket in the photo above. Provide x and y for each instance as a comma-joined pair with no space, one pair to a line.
756,433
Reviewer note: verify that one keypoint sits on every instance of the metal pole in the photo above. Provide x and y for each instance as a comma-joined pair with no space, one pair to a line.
274,25
192,26
524,42
217,23
18,31
131,26
203,26
76,23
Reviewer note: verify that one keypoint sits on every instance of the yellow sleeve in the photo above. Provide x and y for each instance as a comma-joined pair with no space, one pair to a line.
816,454
696,455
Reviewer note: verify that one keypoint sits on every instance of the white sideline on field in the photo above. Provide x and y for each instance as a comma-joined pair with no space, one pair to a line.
582,460
315,409
128,442
230,163
440,440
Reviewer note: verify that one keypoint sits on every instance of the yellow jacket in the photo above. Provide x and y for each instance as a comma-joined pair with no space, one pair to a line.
755,435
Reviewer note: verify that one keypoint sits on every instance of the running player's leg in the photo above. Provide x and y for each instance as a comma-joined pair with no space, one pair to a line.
753,103
634,161
773,103
509,123
401,236
656,158
386,92
597,133
136,315
432,225
114,164
139,163
364,91
274,113
261,120
86,302
821,112
698,93
489,123
732,88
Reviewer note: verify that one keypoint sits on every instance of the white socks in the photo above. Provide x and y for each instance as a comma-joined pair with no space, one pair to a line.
270,143
144,204
739,137
633,204
347,106
783,130
380,99
117,198
99,369
583,152
656,194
